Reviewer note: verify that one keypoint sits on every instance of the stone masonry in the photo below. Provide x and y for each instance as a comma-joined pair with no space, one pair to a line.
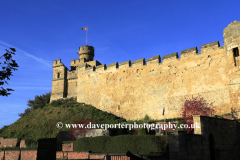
133,89
213,138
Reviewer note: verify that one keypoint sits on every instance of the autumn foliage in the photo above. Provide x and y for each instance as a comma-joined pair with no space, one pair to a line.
79,131
195,106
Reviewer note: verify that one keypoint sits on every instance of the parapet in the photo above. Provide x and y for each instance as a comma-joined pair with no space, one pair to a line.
139,62
126,63
75,62
113,65
101,67
156,59
210,46
190,51
57,63
86,50
171,56
231,28
231,35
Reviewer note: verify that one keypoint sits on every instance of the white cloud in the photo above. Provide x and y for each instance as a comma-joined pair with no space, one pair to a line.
38,84
29,55
32,88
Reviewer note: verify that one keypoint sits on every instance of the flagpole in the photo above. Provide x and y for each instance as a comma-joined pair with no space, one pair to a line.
87,35
164,115
164,118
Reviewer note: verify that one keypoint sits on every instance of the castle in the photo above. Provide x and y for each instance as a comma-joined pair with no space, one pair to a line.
132,90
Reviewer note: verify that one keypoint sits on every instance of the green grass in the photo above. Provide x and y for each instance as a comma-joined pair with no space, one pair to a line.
41,122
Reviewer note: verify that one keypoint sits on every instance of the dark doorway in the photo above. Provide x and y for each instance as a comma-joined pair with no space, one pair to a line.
235,54
211,147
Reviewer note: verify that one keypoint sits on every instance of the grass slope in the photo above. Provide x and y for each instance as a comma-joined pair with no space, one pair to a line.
41,123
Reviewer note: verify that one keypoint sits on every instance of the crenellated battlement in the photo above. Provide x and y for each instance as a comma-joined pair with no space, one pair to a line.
75,62
174,57
187,52
113,65
93,66
86,50
132,89
139,62
156,59
57,63
125,64
101,67
210,46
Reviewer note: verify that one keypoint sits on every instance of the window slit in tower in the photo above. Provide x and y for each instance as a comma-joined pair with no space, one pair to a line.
235,54
58,76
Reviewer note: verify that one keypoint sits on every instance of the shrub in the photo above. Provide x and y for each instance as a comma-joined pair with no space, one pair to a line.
142,131
195,106
67,102
178,125
39,102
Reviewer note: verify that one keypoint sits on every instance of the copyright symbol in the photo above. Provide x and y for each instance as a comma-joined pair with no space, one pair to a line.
59,125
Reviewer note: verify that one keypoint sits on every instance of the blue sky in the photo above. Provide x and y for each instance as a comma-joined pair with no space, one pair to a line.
120,30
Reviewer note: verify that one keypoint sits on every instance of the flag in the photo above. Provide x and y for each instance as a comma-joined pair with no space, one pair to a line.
84,28
163,111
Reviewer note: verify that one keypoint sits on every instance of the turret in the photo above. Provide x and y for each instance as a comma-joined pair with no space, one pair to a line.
231,41
231,35
86,53
59,82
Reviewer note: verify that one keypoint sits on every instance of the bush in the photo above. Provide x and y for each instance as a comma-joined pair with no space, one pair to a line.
31,143
67,102
178,125
3,128
142,131
195,106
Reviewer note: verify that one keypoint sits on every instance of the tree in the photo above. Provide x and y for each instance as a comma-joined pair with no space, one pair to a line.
195,106
7,70
38,102
9,65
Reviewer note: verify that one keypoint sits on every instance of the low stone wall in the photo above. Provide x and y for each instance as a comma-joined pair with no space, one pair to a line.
32,155
8,142
22,144
67,147
213,137
16,155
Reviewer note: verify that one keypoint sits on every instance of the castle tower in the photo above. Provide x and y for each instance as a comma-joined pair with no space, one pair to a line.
59,82
86,53
231,35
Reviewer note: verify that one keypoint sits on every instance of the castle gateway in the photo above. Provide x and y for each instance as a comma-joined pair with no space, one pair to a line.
132,90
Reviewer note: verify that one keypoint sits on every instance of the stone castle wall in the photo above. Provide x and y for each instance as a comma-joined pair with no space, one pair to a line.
132,90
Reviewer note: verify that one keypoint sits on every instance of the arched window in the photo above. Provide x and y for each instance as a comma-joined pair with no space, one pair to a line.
58,75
